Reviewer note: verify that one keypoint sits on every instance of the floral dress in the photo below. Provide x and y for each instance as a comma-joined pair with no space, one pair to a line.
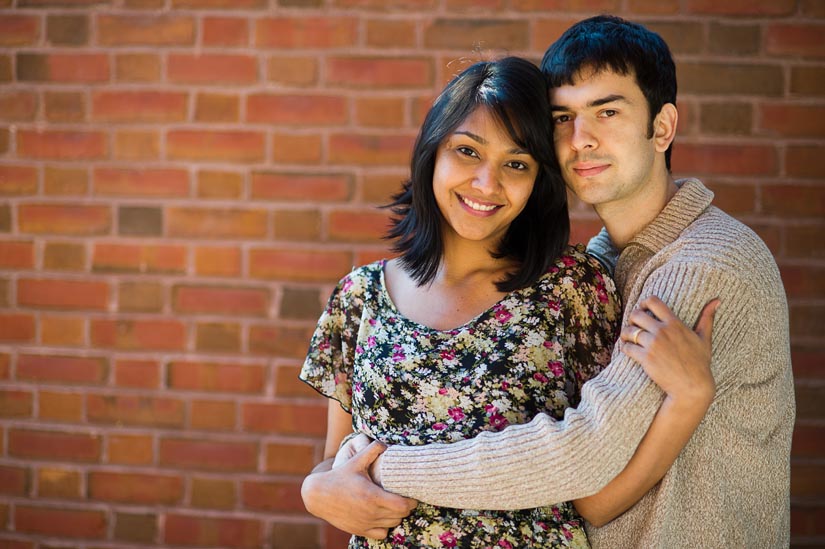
405,383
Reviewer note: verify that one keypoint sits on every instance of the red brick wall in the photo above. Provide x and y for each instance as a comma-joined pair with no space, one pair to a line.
183,181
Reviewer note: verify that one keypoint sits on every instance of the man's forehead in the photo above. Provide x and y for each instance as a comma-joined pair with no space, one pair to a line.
600,81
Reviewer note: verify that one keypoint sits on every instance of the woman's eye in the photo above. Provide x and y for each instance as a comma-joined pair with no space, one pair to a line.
466,151
515,164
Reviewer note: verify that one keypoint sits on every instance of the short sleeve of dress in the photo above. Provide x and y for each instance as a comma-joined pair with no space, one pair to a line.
593,316
328,367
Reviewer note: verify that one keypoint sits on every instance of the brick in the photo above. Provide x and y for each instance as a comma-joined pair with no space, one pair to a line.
306,32
384,33
804,161
5,285
65,181
60,407
18,180
290,459
65,106
139,106
140,297
383,5
807,520
146,182
282,341
139,221
813,8
287,383
291,148
730,79
284,497
225,31
137,67
125,258
59,3
215,145
136,528
681,36
212,69
62,145
63,331
380,72
300,304
63,294
67,30
370,149
735,199
18,106
220,184
64,256
380,111
65,523
806,321
299,535
5,68
216,377
5,218
298,110
218,300
561,5
216,223
292,71
16,327
808,81
16,404
59,483
379,188
5,370
63,67
807,480
358,225
222,261
66,219
734,39
794,200
135,488
212,493
795,39
208,454
220,4
144,4
130,449
283,186
145,30
284,419
212,415
742,7
467,34
136,145
54,445
143,374
16,255
19,30
62,369
659,7
808,441
135,410
14,481
792,120
810,402
211,531
138,335
218,337
217,107
299,265
723,159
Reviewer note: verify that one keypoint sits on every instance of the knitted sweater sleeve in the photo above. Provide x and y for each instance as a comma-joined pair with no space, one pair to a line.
547,461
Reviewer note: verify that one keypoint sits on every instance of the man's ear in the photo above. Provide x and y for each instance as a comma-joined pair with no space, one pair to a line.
664,127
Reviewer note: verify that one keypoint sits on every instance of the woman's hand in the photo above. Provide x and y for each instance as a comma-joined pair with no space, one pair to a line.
352,446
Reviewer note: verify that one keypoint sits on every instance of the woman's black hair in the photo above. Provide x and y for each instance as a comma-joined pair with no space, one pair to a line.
515,92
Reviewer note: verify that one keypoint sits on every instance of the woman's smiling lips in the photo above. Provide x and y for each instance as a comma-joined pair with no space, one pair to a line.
587,169
483,208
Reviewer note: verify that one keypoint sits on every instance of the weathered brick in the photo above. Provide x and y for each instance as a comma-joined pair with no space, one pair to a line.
225,31
220,4
358,225
379,188
137,67
283,497
63,67
468,34
136,145
726,118
380,72
805,161
63,294
741,7
729,78
67,219
794,201
16,254
792,120
14,481
681,36
807,81
67,30
18,106
220,184
289,459
380,111
306,32
146,411
60,407
208,454
54,445
213,415
654,6
218,261
64,256
140,221
300,304
148,182
292,148
16,327
724,159
58,483
734,39
130,449
216,145
298,110
284,419
282,341
60,180
283,186
217,107
139,106
287,383
137,373
138,335
140,297
216,377
62,330
390,33
135,488
65,106
292,71
220,300
218,337
301,265
145,30
370,149
813,8
795,39
806,321
19,30
82,370
211,69
62,145
213,532
16,404
161,258
803,282
292,534
136,528
55,522
215,223
213,493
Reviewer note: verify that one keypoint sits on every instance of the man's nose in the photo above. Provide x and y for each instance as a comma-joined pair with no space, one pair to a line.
583,136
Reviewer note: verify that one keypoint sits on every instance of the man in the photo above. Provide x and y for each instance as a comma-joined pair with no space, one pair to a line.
613,91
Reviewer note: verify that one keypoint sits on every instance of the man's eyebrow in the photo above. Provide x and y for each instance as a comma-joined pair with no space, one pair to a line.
595,103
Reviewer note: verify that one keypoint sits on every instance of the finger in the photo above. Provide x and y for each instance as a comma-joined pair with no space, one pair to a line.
656,306
640,317
704,324
360,442
376,533
362,459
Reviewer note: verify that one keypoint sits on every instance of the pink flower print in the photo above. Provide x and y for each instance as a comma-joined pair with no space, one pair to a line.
568,261
540,377
399,538
455,413
359,350
556,513
554,306
373,322
324,345
398,354
602,295
489,408
567,533
498,421
448,539
502,315
541,525
505,385
447,355
371,341
439,426
347,284
504,544
556,367
442,391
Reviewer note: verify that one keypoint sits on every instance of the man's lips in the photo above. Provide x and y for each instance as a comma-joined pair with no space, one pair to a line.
589,170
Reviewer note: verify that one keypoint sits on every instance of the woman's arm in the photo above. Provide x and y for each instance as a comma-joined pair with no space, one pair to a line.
678,360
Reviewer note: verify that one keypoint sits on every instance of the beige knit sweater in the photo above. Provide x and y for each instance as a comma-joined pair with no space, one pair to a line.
730,485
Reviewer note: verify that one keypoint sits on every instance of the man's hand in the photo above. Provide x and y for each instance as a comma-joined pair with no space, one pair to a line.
347,498
350,448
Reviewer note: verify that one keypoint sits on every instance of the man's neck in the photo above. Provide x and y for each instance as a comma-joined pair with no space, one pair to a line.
625,220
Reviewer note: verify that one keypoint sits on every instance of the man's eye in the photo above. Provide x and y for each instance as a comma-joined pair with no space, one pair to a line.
560,119
608,113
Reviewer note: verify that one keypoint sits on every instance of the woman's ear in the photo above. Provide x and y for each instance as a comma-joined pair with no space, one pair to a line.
664,127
